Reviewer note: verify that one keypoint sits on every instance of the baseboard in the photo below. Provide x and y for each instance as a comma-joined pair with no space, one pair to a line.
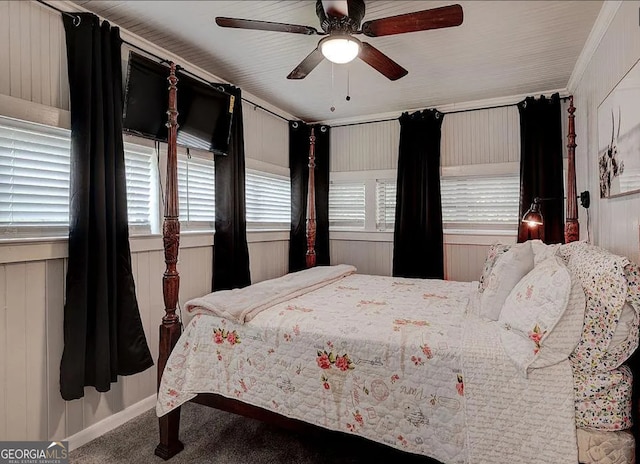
115,420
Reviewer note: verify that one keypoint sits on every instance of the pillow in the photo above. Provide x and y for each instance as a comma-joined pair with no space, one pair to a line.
495,251
509,268
542,251
543,316
625,326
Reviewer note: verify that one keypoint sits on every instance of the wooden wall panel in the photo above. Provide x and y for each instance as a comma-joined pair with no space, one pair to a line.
268,260
33,53
615,221
482,136
266,137
373,258
463,263
31,340
365,146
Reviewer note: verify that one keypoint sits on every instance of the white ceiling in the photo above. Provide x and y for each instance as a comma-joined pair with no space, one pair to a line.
502,48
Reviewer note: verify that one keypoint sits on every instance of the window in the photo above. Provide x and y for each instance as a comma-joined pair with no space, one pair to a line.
196,191
142,204
385,204
34,177
347,205
268,200
34,180
474,200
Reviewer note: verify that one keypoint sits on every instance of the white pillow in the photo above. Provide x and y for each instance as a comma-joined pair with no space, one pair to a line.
509,268
543,316
542,251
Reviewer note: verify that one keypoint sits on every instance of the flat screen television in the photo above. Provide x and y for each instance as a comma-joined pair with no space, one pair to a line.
204,111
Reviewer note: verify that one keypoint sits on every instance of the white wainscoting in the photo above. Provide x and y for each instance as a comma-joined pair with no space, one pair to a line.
31,334
615,221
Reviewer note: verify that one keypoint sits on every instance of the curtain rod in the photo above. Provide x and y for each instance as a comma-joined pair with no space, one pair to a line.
447,112
163,60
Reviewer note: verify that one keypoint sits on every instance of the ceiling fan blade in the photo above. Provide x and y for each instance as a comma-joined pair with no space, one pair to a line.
436,18
265,26
336,7
381,62
307,65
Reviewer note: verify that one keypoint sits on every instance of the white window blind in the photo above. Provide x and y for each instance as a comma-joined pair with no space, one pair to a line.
268,200
347,205
141,186
34,180
34,175
385,204
196,191
480,199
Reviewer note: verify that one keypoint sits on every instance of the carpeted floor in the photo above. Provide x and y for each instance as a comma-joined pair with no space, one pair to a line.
212,436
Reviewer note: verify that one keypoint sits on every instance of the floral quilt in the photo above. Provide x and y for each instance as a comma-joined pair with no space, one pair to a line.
379,357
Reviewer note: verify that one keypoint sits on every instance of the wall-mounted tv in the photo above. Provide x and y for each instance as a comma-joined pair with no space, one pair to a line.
204,111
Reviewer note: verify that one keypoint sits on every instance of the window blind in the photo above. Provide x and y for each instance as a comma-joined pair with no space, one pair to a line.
34,179
34,175
140,172
347,205
268,200
385,204
196,192
486,199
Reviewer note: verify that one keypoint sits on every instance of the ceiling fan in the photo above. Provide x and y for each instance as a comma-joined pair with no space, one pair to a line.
340,21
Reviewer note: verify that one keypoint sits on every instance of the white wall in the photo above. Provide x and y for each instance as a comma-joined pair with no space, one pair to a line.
34,86
614,221
468,138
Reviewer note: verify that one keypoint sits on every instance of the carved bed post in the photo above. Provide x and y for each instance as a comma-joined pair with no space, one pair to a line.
571,227
170,328
311,203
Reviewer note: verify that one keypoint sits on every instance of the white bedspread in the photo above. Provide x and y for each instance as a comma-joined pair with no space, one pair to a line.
395,360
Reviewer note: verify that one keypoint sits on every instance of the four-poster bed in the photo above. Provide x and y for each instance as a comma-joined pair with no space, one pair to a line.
225,336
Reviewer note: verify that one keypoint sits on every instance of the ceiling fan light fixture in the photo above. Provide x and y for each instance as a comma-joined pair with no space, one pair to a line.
340,49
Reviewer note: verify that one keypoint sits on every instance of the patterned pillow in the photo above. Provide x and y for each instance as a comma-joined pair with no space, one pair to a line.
543,316
608,281
509,268
495,251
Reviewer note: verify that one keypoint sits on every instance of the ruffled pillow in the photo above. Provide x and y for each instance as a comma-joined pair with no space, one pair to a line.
543,316
507,271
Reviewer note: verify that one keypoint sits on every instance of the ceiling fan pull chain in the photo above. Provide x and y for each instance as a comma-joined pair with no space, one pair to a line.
348,97
333,106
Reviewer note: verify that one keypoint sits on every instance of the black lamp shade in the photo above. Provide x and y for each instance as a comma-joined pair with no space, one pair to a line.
533,216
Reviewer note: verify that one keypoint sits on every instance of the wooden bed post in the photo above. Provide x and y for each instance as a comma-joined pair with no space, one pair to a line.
311,203
571,227
170,328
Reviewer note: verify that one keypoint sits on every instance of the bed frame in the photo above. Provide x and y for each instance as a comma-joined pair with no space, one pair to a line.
170,329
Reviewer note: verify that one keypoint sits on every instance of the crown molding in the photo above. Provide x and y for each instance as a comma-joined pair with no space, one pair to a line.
599,29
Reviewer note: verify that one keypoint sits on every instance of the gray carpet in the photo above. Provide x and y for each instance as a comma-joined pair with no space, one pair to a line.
212,436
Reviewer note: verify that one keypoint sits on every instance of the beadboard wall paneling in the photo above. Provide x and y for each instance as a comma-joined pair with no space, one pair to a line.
463,263
615,221
471,137
266,137
31,338
375,258
481,136
268,260
365,146
33,54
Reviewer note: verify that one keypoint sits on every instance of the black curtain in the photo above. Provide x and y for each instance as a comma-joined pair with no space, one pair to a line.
230,251
417,237
541,167
299,166
103,334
